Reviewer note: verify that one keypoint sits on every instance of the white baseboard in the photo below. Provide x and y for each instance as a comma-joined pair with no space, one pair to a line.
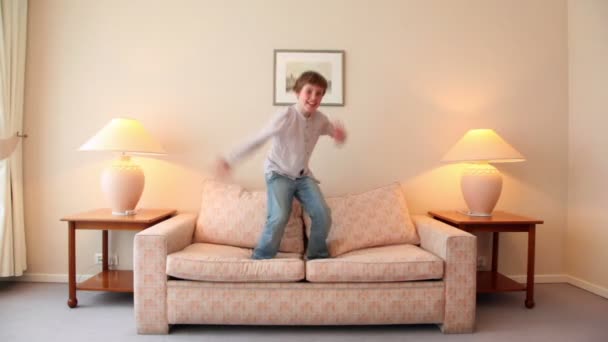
46,277
585,285
542,278
563,278
538,279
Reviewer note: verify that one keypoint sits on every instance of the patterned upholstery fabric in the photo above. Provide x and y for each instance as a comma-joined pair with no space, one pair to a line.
375,218
209,262
377,264
449,302
233,216
191,302
150,249
459,250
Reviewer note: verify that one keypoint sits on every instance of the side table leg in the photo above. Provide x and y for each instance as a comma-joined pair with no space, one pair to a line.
72,301
530,280
495,239
104,250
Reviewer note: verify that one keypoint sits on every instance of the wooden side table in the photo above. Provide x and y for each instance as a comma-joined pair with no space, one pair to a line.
102,219
499,222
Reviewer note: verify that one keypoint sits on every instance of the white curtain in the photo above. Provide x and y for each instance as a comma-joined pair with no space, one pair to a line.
13,25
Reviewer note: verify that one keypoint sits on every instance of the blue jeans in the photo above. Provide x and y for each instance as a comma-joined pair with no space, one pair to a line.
281,191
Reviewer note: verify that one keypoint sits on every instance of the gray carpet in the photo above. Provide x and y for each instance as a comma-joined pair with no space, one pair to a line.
38,312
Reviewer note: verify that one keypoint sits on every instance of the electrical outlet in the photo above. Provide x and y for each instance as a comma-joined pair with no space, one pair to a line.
112,260
481,262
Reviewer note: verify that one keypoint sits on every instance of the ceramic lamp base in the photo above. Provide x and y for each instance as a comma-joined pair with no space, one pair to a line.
481,184
123,183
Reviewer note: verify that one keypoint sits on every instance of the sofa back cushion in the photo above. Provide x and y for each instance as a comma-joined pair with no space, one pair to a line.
374,218
233,216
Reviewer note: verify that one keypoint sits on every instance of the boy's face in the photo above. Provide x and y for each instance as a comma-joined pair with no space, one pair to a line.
309,97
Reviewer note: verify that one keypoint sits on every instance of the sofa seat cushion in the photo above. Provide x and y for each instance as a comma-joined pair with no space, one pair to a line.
374,218
231,215
377,264
211,262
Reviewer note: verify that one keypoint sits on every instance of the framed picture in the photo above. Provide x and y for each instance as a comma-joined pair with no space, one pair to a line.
290,64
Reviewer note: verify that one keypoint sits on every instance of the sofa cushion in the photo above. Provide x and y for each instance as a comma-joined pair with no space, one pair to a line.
377,264
210,262
233,216
374,218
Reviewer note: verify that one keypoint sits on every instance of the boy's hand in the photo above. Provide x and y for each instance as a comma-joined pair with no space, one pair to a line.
339,133
222,168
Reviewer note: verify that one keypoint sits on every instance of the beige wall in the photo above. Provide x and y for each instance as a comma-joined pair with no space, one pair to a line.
586,253
198,74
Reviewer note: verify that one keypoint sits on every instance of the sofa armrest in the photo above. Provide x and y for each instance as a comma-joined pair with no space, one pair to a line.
177,232
459,251
150,250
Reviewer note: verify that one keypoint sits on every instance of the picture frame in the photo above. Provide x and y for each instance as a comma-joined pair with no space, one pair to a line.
290,64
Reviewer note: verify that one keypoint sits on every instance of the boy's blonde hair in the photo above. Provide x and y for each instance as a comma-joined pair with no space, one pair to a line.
310,77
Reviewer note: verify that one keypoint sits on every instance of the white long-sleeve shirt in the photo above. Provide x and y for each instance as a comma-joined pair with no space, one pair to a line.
294,137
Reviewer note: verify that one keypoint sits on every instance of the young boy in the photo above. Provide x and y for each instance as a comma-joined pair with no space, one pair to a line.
294,132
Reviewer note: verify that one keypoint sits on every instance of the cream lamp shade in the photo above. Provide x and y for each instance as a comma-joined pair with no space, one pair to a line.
123,182
481,183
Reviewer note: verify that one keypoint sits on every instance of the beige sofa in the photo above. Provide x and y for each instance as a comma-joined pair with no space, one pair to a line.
386,267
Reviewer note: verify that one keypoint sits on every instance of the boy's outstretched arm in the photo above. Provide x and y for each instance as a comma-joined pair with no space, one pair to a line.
224,165
338,132
222,168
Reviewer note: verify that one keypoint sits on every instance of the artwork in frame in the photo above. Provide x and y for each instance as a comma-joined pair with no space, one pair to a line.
290,64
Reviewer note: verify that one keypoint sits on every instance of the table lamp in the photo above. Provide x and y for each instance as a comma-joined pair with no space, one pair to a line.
123,182
481,183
